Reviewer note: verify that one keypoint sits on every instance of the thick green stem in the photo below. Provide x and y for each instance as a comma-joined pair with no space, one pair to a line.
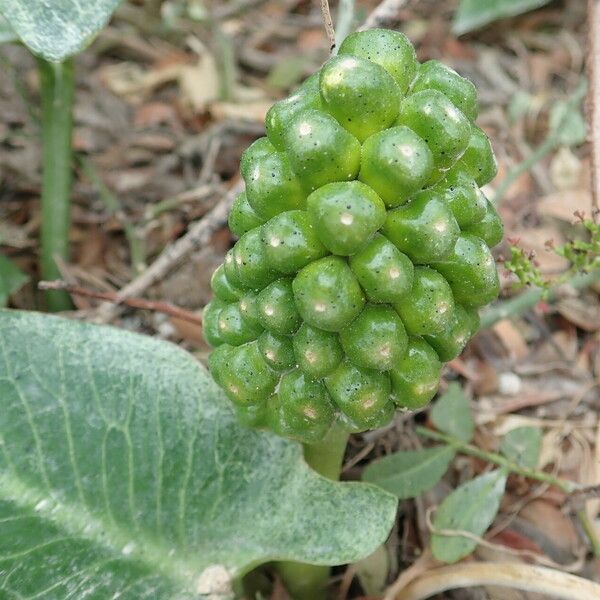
57,91
309,582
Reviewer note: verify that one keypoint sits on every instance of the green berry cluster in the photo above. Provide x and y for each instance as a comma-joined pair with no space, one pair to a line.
364,244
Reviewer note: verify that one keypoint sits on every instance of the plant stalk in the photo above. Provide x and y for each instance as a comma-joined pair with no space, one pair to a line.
57,82
303,581
519,304
566,486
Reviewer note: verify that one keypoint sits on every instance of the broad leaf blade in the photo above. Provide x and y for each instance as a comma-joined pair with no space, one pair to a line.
472,14
451,414
123,469
7,33
471,507
58,29
523,445
11,279
409,474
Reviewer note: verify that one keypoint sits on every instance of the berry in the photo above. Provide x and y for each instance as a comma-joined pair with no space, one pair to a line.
345,215
364,245
376,339
396,163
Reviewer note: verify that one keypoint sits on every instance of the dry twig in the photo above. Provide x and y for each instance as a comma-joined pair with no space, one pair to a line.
199,235
154,305
528,578
384,15
328,22
594,94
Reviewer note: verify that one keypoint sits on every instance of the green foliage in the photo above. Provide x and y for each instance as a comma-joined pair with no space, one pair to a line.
123,470
452,414
11,279
410,473
472,14
583,254
471,507
58,29
522,446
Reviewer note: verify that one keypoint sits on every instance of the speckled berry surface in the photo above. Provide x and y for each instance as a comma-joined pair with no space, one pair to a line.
364,245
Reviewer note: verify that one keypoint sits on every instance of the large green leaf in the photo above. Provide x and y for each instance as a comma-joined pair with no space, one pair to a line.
11,279
451,413
408,474
472,14
471,507
123,472
57,29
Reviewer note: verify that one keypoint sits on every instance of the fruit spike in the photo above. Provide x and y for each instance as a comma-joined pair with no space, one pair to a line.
364,245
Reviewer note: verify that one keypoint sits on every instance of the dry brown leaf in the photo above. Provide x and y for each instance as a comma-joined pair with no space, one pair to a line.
583,312
248,111
512,339
562,205
566,170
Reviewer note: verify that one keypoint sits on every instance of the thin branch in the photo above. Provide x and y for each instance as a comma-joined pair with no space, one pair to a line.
528,578
199,235
594,94
519,304
385,15
328,22
153,305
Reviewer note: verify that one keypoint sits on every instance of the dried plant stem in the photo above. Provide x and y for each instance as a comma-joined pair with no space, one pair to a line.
328,23
384,15
528,578
594,94
198,236
156,306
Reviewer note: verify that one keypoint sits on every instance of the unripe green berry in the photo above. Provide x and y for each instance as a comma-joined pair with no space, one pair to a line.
279,115
451,342
437,76
463,196
210,322
252,415
396,163
304,408
243,217
233,328
490,228
443,127
362,96
471,271
363,395
424,229
249,308
389,49
249,257
277,309
478,158
320,150
428,307
317,352
327,294
277,350
231,271
376,339
345,215
291,241
415,379
222,288
384,273
271,186
243,374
